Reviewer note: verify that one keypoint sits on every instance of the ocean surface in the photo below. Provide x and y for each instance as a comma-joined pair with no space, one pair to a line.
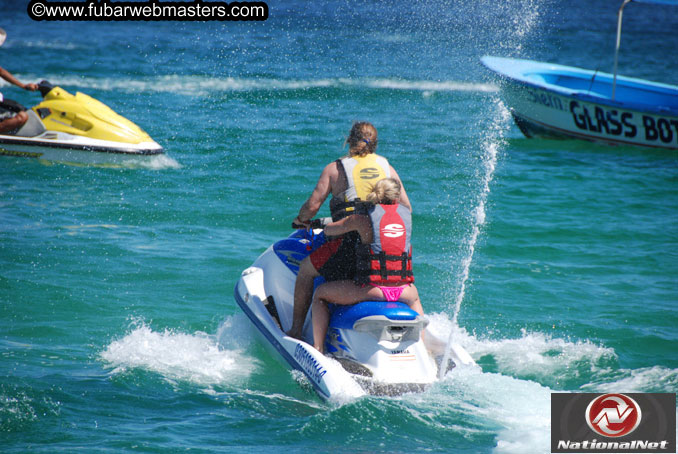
555,263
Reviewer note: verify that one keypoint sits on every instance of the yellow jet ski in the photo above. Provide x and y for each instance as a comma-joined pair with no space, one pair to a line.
77,128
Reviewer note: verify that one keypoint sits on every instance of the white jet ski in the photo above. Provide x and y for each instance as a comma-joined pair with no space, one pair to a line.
79,129
373,347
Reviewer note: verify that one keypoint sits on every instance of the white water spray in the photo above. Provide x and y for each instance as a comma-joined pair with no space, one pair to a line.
490,145
526,15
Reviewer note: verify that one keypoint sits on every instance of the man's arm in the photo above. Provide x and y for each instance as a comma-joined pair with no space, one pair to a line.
322,190
13,80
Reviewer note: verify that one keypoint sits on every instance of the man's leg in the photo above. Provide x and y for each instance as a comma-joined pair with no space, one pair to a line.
13,123
303,291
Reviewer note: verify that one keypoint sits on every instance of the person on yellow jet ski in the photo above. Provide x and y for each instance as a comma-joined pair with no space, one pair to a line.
12,114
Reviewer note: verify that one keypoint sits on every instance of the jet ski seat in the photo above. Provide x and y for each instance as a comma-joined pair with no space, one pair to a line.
383,320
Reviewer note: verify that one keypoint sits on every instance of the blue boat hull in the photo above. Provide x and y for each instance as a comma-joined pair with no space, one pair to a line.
563,102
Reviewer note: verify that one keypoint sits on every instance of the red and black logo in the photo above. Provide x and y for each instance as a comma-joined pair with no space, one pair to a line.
613,415
613,423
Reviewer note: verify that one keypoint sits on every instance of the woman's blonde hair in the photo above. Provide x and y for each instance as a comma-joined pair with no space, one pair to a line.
386,191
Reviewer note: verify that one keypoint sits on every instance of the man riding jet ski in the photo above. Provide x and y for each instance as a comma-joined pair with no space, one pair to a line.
76,128
68,128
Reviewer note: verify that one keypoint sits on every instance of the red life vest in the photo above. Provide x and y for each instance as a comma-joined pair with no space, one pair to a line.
388,259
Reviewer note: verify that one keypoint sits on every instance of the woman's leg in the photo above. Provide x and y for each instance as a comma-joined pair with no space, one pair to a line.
337,292
410,296
344,293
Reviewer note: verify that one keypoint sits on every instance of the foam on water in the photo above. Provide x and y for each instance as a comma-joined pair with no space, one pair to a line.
519,410
431,86
647,379
516,408
18,408
41,44
198,358
542,357
516,412
157,162
350,389
534,355
204,86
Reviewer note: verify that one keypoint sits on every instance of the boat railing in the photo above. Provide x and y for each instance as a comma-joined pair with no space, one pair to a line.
619,25
616,47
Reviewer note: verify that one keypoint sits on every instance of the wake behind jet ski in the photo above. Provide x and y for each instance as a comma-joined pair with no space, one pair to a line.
374,347
77,128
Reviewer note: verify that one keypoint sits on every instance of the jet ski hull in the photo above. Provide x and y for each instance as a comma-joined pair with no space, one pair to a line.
373,347
60,147
75,149
327,377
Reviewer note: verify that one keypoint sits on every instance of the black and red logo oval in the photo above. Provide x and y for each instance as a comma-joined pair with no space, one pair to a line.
613,415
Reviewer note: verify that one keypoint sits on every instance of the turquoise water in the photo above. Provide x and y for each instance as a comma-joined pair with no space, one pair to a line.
555,262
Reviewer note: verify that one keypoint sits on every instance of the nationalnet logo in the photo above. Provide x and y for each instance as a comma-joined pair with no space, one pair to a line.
613,415
613,423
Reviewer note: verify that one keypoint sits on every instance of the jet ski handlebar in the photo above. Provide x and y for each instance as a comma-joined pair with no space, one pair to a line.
44,87
319,223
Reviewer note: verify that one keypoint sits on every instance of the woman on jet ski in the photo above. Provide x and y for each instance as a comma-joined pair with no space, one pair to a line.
384,258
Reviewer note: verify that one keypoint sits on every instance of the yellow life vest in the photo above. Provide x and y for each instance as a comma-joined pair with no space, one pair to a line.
362,173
